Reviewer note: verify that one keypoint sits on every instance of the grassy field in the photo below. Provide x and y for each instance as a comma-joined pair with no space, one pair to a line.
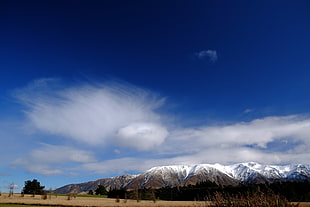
22,205
62,201
87,201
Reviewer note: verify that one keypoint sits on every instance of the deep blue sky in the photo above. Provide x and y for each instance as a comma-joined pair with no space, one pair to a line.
221,64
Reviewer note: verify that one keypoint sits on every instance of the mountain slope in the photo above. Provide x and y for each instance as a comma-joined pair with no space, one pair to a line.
109,183
170,176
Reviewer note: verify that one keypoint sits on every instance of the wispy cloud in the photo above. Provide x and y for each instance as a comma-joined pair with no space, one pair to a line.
207,54
125,119
246,111
95,114
48,159
254,139
240,142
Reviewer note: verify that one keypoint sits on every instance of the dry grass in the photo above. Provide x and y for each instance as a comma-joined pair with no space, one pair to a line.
97,201
91,201
257,199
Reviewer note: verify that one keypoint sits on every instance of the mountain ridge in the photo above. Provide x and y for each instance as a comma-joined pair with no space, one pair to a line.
181,175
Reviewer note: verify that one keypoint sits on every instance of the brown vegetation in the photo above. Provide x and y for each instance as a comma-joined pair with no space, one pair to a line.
258,199
105,202
91,201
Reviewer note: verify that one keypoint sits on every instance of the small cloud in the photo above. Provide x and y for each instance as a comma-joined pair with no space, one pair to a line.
285,141
207,54
117,151
246,111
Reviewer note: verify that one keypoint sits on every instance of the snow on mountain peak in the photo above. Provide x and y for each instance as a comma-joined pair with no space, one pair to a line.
175,175
241,171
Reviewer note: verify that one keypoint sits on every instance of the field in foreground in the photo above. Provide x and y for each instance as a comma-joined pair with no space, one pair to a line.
17,199
23,205
89,201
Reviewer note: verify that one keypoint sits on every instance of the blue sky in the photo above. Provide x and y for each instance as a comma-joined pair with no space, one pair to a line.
91,89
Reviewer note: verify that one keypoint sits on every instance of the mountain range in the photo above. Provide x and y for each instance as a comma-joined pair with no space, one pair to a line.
180,175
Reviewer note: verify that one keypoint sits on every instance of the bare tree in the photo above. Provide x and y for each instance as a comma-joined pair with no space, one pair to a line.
11,189
50,193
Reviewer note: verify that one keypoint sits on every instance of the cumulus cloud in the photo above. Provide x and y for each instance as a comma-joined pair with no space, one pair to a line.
142,136
210,54
95,114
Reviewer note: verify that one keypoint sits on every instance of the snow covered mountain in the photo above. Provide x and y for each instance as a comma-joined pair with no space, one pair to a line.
175,175
251,171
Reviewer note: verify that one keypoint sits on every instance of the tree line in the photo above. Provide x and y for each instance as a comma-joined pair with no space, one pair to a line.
292,191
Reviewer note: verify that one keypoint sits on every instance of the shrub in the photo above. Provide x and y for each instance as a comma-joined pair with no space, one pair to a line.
257,199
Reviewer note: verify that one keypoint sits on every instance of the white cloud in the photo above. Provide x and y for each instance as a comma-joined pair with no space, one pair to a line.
246,111
210,54
229,155
142,136
94,114
58,154
240,142
258,132
48,159
117,166
122,116
243,141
